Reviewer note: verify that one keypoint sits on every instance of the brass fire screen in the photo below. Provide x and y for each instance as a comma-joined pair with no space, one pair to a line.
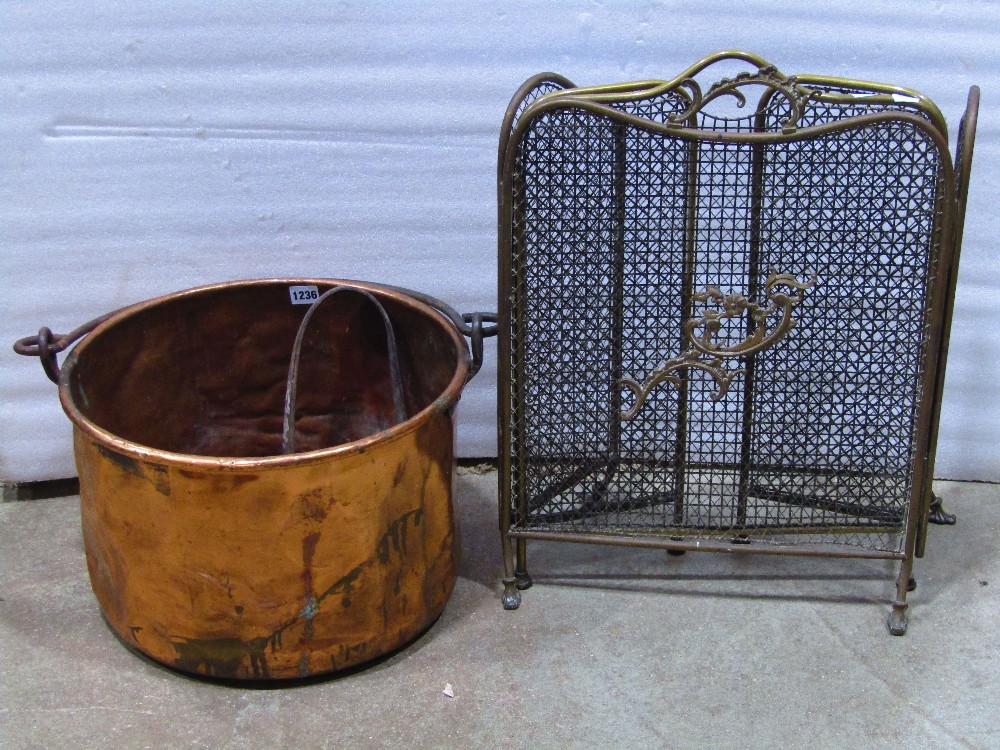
724,331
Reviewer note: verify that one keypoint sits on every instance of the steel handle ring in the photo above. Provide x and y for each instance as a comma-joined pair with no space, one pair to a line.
46,344
47,354
41,346
476,333
479,318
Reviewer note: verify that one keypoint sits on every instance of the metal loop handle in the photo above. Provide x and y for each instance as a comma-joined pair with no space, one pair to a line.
474,326
477,331
46,344
46,355
291,387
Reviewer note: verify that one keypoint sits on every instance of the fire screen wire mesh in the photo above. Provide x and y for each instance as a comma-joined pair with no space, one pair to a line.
720,326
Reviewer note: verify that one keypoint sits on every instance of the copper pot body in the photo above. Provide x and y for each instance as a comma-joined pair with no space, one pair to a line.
212,553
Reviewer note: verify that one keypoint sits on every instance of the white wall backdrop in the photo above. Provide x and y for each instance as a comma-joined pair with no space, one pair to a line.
149,147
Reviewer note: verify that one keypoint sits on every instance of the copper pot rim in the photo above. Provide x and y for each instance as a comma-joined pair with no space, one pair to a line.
445,401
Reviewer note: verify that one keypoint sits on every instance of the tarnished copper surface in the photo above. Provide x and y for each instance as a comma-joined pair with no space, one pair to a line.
212,553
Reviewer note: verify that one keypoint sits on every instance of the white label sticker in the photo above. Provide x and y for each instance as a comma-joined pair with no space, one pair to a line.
303,295
899,98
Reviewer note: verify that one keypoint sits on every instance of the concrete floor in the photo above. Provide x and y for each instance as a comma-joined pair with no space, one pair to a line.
611,648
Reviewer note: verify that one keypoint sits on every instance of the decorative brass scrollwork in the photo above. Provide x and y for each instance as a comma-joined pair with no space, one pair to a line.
710,323
796,94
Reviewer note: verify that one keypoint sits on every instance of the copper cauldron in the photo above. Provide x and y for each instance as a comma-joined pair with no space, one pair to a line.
247,518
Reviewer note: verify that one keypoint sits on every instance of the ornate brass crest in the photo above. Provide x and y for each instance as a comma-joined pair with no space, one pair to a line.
705,354
798,96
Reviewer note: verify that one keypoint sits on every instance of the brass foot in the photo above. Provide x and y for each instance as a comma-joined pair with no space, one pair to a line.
897,619
938,515
523,581
511,597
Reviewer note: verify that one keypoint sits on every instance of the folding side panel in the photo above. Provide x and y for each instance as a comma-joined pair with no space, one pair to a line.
835,404
564,247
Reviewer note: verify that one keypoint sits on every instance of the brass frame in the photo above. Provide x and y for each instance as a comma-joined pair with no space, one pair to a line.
952,190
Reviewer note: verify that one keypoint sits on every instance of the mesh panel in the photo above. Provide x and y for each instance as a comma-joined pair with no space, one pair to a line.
618,231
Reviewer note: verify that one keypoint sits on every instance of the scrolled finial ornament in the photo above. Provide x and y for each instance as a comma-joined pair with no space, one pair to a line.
769,77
